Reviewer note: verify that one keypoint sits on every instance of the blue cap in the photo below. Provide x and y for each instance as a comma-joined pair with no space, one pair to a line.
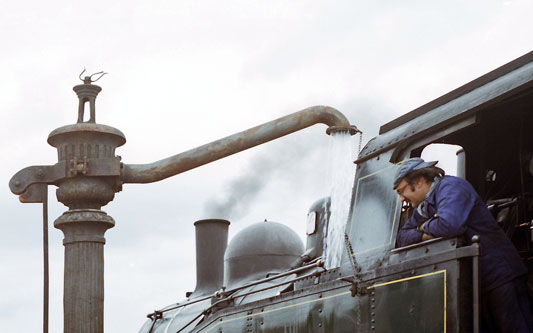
410,165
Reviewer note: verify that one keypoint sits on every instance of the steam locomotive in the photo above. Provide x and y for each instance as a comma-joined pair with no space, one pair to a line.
266,280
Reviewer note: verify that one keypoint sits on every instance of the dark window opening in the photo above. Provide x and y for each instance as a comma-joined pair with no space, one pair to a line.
498,162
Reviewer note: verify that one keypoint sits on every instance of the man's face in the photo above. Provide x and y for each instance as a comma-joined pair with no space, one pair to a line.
414,194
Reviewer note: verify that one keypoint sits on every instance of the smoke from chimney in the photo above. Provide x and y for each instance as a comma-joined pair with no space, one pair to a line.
283,160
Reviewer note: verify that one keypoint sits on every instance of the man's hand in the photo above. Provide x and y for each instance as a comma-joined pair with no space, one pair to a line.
426,237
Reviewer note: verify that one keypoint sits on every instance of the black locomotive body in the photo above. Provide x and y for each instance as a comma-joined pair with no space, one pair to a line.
277,285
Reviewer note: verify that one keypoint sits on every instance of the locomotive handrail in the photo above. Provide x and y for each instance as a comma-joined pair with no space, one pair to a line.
229,298
316,263
411,246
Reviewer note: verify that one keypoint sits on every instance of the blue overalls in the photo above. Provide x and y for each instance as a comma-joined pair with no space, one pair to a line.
457,210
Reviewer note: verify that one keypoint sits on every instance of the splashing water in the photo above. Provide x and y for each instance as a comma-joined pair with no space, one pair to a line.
339,181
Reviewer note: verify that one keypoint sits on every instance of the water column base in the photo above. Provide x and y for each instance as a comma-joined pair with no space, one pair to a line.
83,299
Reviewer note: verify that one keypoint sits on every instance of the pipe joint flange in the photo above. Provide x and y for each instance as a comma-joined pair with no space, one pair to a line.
339,129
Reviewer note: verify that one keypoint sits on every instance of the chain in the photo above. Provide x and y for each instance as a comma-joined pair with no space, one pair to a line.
360,144
351,254
353,263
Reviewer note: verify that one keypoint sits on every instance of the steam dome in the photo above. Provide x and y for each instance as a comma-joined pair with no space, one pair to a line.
262,248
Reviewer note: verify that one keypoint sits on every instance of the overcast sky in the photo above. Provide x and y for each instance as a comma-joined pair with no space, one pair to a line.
184,73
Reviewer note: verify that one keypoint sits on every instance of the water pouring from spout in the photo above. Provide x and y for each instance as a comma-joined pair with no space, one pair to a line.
341,172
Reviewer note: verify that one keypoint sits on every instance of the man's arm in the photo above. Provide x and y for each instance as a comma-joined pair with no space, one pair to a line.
408,233
454,203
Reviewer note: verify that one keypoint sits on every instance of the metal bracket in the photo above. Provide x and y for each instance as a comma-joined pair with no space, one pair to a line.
75,167
357,288
47,174
155,315
50,174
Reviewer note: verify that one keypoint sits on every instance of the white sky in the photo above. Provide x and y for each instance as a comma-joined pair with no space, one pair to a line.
184,73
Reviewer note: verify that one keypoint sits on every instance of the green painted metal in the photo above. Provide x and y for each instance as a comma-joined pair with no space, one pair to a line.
331,311
413,304
416,304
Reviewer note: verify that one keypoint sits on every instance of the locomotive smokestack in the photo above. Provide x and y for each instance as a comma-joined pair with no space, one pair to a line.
211,242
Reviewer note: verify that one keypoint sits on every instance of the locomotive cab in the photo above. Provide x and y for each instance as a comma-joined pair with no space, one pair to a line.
489,119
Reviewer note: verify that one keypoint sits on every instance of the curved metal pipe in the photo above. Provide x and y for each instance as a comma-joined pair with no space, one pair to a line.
168,167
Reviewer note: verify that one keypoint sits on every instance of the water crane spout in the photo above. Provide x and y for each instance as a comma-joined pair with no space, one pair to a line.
168,167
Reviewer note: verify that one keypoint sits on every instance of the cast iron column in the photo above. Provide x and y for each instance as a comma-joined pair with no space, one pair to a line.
82,147
87,175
